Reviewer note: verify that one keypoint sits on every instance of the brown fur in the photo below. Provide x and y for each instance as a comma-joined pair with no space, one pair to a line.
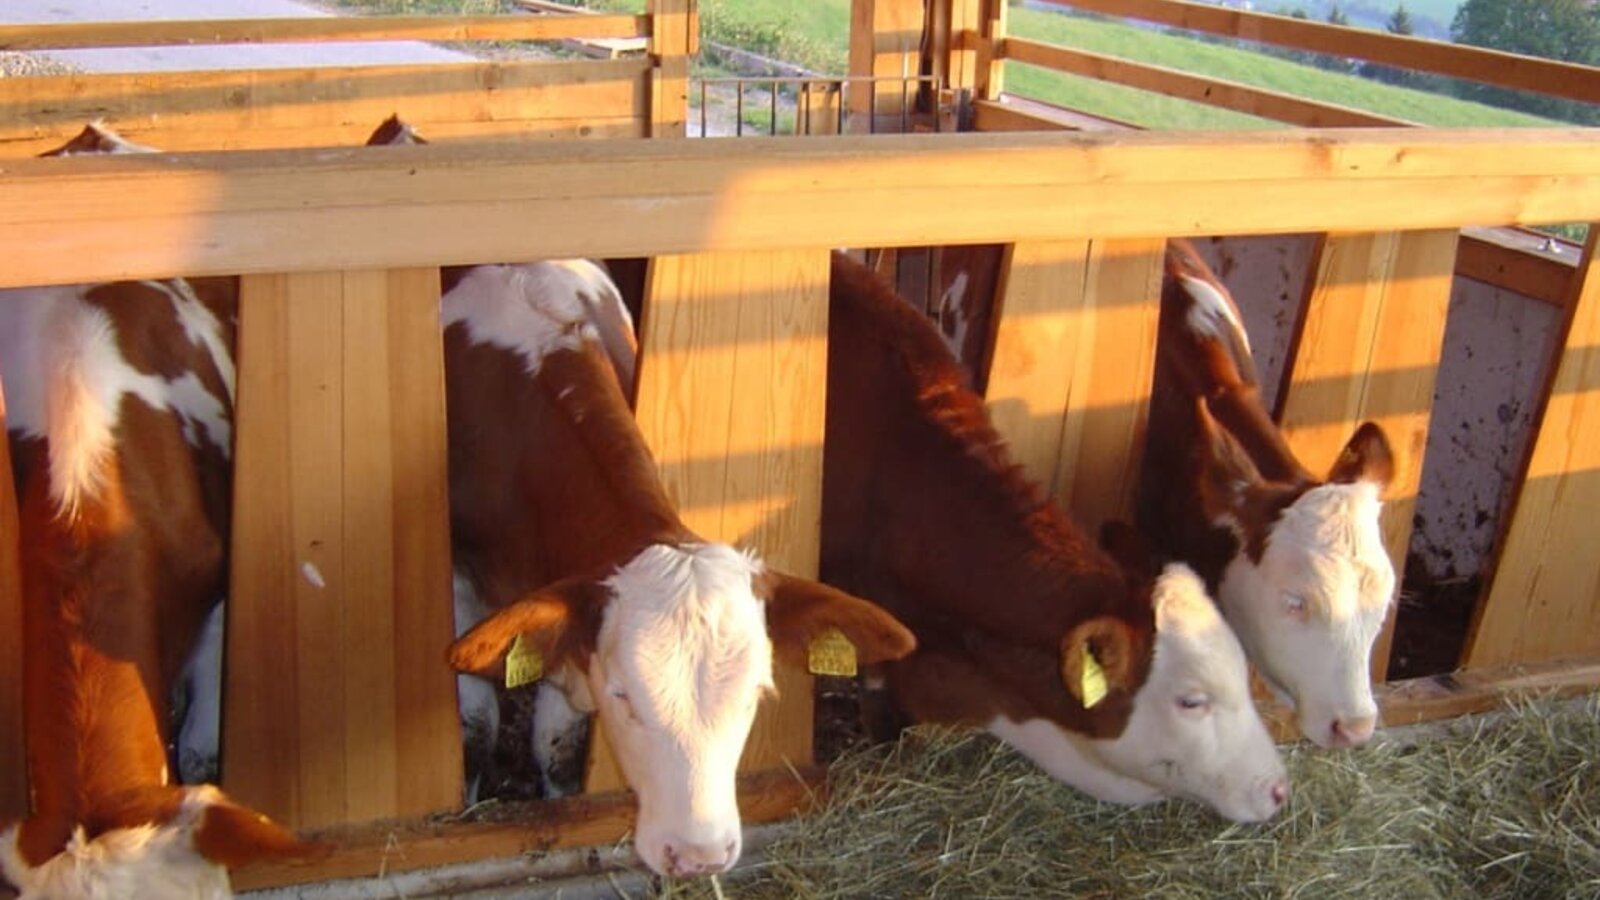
924,513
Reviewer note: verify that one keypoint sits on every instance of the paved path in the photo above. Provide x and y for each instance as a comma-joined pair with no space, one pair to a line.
152,59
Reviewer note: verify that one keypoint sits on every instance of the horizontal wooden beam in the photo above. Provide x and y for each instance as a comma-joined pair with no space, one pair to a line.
160,33
1528,73
1014,113
96,218
1435,697
369,851
1513,259
1244,98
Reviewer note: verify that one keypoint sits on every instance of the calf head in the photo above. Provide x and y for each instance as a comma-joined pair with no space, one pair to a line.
1310,586
674,649
1177,722
1307,583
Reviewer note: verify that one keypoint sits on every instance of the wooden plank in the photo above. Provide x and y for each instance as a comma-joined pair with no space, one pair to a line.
1528,73
1274,105
885,41
1368,349
1013,113
731,396
163,33
1074,354
260,211
375,850
220,108
1513,259
13,772
1544,594
1437,697
339,706
674,37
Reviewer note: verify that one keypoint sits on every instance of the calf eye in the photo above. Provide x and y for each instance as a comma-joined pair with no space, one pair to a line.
1295,604
1194,703
621,697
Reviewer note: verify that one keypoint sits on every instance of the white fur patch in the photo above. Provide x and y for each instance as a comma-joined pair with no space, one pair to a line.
537,308
65,380
1212,314
144,863
199,738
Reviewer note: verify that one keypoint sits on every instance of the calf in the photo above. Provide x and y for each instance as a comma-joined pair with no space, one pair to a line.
1126,687
560,522
120,425
1298,564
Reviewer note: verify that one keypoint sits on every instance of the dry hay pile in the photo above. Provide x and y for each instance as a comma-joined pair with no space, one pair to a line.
1506,806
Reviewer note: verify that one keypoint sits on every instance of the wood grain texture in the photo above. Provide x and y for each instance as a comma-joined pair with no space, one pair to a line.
1544,597
13,770
1274,105
327,209
1368,349
674,37
1562,79
340,706
1074,355
885,41
157,33
731,400
373,850
264,108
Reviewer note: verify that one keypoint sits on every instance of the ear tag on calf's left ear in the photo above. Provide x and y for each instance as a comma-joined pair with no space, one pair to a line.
831,653
523,665
1092,683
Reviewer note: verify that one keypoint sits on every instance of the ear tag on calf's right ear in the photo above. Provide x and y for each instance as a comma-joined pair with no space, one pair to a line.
831,653
523,664
1092,683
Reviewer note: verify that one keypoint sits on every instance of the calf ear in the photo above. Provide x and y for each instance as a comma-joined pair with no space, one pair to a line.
798,610
1226,471
1110,643
1367,457
555,619
233,836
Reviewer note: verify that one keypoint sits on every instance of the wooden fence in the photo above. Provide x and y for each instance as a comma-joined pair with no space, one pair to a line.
341,429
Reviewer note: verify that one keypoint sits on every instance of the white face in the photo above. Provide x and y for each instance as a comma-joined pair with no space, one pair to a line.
1310,612
1194,731
681,663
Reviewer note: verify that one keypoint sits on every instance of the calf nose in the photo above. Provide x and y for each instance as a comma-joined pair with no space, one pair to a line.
1280,793
1353,732
689,860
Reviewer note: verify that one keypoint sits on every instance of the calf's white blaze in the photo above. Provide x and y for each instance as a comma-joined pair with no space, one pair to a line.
1311,611
1218,752
681,661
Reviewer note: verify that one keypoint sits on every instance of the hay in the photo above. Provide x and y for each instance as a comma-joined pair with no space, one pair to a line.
1500,806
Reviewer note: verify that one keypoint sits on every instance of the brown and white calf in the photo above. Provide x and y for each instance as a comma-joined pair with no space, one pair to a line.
1298,564
560,523
1014,609
119,400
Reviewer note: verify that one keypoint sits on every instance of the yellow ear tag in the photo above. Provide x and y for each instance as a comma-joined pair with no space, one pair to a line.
831,653
1092,683
523,665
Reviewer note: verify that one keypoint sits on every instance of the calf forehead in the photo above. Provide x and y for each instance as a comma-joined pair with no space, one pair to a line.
1193,643
1331,537
685,633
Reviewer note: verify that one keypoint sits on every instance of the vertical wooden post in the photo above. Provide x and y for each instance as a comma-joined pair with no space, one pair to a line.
1543,601
339,704
1074,355
1369,349
732,378
13,769
674,37
974,27
885,40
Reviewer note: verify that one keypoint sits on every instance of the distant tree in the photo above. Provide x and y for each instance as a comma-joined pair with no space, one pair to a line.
1567,30
1336,16
1399,23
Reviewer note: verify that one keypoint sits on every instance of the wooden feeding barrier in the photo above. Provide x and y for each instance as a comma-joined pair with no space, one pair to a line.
341,430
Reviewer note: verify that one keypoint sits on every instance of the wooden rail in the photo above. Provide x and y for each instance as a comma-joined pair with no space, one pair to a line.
1244,98
339,209
83,35
1527,73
